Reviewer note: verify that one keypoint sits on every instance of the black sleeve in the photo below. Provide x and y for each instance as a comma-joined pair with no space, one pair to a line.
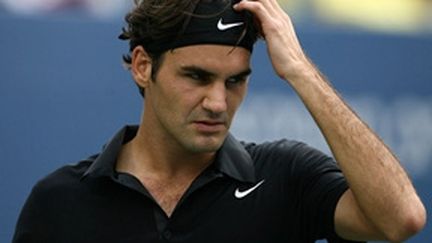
33,223
314,184
43,217
320,184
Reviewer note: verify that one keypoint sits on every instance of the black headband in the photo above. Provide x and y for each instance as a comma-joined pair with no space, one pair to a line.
213,22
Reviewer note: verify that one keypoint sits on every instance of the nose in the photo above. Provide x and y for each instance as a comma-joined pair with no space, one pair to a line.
215,100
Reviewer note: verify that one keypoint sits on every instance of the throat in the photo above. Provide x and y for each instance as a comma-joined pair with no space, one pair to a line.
167,193
165,176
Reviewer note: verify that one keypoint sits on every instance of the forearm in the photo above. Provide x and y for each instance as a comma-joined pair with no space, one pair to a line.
385,197
379,184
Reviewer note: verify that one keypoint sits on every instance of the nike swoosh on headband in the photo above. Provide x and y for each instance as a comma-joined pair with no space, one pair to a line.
222,27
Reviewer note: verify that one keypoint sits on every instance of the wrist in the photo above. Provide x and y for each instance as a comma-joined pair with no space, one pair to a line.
301,71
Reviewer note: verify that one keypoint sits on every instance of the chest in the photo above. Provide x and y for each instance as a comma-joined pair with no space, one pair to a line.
210,213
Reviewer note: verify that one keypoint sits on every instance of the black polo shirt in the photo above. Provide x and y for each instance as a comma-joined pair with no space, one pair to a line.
283,191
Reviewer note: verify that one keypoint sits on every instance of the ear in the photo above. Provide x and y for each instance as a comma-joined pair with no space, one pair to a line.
141,67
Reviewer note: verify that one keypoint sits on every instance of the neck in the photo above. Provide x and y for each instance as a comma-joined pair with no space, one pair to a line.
150,155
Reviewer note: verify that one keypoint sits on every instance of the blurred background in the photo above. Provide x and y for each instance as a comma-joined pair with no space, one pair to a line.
64,92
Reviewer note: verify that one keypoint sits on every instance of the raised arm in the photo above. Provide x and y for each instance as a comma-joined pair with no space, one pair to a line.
381,202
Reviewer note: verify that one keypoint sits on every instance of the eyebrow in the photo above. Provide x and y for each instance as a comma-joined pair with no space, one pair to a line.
244,73
206,73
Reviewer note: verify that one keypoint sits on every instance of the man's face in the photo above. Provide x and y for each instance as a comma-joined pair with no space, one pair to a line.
195,94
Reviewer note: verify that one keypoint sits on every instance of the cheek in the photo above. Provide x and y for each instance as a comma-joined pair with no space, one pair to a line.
166,103
182,101
236,97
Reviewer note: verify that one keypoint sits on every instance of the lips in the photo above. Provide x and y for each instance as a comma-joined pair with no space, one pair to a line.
209,126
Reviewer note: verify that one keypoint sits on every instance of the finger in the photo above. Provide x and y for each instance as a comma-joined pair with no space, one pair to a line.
264,9
256,7
261,15
269,5
273,7
268,21
276,9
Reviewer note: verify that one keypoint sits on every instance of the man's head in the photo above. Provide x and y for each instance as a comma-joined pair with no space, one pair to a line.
192,100
160,26
192,60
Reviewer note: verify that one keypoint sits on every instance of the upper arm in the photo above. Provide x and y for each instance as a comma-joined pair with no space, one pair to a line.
350,221
30,226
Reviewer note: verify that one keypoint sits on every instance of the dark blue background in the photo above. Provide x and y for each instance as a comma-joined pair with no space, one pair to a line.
63,91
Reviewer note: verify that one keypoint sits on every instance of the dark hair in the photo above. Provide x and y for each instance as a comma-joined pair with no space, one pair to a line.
153,20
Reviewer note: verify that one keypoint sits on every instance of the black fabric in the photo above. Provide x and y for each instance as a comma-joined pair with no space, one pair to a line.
295,191
203,28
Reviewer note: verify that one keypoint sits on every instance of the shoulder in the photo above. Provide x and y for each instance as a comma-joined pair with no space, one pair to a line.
290,157
61,180
282,145
286,150
53,195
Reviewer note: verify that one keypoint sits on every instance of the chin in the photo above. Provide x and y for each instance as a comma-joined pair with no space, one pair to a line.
207,145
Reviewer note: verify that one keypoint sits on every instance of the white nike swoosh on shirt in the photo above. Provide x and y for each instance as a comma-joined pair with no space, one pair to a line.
222,27
241,194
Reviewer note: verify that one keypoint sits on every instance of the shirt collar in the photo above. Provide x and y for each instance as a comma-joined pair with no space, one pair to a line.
232,158
105,162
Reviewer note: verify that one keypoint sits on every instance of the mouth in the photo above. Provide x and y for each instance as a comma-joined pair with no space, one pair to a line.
210,126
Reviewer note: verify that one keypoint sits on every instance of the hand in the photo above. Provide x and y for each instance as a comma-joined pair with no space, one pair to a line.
285,51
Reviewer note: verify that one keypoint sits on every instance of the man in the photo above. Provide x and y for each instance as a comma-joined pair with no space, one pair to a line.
181,177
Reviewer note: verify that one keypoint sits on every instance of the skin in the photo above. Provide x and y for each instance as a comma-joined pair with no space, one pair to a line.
188,111
381,202
189,118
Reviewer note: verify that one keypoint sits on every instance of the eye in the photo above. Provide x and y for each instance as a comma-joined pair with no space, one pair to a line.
193,76
197,77
236,80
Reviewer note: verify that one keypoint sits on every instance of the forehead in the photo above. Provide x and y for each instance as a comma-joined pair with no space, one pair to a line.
217,57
